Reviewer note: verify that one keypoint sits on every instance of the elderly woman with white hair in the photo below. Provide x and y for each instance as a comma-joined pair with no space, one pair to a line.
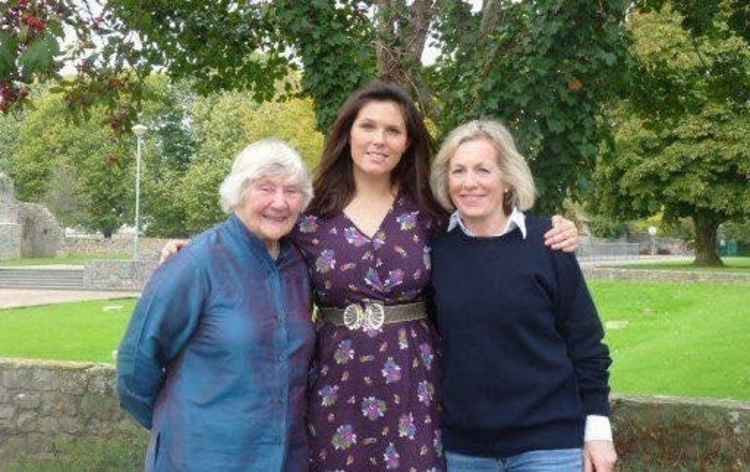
525,382
216,356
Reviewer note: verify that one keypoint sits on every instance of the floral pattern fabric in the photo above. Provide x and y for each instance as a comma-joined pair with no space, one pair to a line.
373,405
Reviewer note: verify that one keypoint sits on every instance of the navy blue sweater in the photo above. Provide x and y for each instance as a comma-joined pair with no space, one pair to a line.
523,358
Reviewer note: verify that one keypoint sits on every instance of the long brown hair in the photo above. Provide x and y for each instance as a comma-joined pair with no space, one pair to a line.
334,179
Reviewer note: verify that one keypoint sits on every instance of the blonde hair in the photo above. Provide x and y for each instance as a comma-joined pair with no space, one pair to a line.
269,157
516,173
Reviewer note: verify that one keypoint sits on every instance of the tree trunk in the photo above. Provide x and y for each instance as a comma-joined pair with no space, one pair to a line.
706,249
401,37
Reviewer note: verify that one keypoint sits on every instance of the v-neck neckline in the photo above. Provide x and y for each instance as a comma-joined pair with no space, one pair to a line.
391,209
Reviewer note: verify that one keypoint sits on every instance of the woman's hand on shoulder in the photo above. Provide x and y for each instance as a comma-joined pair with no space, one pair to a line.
599,456
563,235
172,247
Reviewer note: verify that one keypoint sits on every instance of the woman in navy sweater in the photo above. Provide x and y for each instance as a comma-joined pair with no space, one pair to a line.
525,381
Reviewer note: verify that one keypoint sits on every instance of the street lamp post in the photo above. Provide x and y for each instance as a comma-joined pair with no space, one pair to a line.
652,232
139,131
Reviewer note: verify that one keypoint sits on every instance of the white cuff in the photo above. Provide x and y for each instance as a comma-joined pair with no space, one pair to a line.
598,428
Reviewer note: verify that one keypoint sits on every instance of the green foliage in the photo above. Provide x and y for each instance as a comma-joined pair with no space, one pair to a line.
216,44
604,227
545,70
109,71
699,17
77,170
10,129
737,230
224,125
679,228
687,155
86,176
334,44
169,150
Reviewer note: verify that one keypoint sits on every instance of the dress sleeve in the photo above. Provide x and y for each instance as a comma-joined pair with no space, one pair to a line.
580,326
164,319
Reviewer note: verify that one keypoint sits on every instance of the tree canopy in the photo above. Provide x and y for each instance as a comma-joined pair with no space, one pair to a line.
86,176
681,144
545,68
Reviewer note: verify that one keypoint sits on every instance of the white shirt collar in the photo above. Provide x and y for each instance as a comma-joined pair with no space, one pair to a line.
517,220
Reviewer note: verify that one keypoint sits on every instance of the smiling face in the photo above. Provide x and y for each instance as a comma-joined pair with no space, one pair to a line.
475,184
378,139
270,207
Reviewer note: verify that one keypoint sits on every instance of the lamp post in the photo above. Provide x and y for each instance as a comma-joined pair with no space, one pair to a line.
139,131
652,232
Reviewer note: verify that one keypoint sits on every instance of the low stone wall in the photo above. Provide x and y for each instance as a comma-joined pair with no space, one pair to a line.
658,434
149,247
10,241
44,403
645,275
118,275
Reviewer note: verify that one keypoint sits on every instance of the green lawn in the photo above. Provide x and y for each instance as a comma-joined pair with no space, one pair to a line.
677,339
85,331
73,259
666,338
731,264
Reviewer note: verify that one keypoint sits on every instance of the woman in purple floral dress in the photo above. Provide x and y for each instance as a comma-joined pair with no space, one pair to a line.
365,239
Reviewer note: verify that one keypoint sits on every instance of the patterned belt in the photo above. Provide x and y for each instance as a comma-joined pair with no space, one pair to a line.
372,315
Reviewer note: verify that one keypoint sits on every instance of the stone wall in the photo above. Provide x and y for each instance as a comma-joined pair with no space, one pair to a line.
43,403
10,241
645,275
118,275
148,247
26,229
41,232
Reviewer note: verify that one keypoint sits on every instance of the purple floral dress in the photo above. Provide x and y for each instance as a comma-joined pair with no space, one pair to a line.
373,404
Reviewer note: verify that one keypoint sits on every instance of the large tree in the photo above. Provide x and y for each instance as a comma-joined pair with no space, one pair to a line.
77,170
543,66
224,124
682,145
83,173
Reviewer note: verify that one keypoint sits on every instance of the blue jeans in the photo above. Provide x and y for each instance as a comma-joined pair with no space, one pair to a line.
553,460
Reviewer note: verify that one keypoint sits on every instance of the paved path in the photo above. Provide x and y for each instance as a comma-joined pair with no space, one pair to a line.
12,298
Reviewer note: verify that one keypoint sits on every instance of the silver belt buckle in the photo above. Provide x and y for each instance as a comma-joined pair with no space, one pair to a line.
369,318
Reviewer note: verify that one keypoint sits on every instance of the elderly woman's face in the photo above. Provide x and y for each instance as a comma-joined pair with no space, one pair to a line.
271,207
475,181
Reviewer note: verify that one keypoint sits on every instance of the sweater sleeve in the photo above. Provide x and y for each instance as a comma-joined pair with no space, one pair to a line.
580,326
164,319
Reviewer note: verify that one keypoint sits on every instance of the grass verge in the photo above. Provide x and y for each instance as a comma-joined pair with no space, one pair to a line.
731,264
124,454
83,331
685,340
677,339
